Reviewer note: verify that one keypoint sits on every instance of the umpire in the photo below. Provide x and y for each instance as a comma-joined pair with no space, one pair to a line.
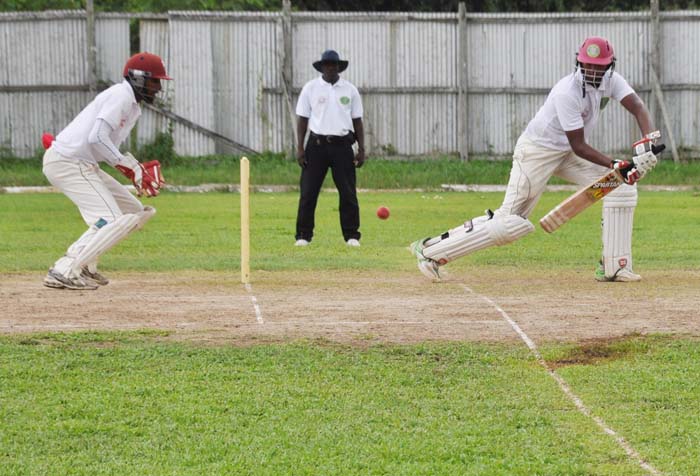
331,109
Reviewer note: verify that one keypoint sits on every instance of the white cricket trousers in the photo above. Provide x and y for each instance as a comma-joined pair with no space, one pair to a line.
96,193
534,165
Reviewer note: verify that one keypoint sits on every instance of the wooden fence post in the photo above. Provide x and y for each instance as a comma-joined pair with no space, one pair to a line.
462,87
91,45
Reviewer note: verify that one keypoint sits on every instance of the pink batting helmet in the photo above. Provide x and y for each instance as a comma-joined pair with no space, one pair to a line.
596,50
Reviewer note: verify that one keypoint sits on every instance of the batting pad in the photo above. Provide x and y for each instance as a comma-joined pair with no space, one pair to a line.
476,234
617,239
618,214
108,236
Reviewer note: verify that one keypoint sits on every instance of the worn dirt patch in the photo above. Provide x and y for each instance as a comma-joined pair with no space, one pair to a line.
361,308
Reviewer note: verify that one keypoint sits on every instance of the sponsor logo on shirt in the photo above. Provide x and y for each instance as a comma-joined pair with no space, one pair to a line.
344,100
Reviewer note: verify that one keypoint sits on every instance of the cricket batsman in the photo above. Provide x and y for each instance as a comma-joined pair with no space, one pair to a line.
71,161
555,142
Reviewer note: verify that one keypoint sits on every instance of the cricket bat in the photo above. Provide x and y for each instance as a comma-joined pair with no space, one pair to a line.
584,198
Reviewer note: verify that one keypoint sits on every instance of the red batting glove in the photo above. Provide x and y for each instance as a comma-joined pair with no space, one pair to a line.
629,172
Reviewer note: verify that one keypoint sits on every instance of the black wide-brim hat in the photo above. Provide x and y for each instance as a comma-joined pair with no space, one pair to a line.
331,56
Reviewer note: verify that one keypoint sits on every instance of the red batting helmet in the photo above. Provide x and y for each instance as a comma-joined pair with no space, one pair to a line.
146,64
596,50
143,67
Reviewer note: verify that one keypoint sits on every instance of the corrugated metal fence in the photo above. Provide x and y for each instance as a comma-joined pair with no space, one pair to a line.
230,71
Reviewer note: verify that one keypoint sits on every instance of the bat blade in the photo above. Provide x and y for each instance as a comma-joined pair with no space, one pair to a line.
580,200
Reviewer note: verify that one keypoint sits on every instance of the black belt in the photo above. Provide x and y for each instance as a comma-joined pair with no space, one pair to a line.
347,139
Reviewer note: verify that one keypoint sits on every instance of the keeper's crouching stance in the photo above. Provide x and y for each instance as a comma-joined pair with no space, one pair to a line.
71,164
555,143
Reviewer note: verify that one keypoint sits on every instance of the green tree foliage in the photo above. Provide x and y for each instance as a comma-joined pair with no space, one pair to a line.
351,5
141,5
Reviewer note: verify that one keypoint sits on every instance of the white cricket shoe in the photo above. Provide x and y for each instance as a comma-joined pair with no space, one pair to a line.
56,280
428,267
353,242
302,242
623,275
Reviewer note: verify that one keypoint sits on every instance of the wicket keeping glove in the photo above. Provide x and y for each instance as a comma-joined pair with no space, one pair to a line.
141,178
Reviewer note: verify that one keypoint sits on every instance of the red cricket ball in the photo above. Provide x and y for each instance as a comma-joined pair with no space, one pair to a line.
383,213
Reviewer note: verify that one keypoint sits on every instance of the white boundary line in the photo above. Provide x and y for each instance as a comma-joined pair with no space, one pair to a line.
258,314
631,452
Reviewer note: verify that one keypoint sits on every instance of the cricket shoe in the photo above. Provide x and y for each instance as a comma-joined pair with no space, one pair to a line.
56,280
428,267
93,278
623,275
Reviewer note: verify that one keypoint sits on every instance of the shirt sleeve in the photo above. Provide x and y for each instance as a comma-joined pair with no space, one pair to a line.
102,145
619,87
114,110
568,112
304,102
356,101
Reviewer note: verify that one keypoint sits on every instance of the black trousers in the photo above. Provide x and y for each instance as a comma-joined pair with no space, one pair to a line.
320,156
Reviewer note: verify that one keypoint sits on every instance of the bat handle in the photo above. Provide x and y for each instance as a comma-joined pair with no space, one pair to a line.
657,149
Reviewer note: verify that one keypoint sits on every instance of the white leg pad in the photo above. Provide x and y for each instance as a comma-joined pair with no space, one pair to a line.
64,264
108,236
145,215
618,214
476,234
75,249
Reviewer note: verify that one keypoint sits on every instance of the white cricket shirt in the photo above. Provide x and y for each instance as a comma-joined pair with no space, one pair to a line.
330,108
567,110
116,105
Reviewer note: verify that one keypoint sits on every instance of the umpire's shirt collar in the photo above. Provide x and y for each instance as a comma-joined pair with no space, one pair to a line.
326,83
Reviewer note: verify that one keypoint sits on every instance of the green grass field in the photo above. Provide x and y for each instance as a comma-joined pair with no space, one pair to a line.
274,169
143,403
203,229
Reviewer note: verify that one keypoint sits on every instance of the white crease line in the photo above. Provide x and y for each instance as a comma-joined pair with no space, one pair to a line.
631,452
258,314
384,323
73,326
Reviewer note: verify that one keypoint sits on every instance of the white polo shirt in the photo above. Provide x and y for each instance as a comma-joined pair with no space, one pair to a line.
330,108
567,110
116,105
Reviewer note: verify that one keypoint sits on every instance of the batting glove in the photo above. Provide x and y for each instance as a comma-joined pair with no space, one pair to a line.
627,169
645,152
